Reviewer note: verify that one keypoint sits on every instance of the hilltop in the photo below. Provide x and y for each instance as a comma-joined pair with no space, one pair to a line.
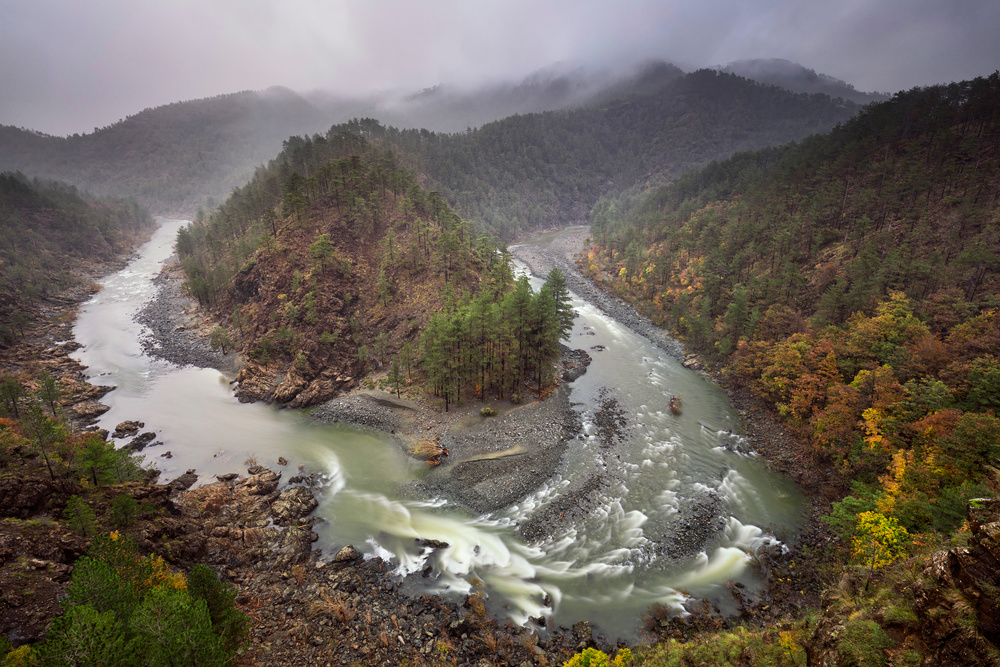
851,283
606,133
51,237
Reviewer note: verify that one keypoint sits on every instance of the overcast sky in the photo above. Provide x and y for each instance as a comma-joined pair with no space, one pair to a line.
71,65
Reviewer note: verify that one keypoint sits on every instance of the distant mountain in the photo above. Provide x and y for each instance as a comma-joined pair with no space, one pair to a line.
177,157
796,78
550,168
451,109
172,157
50,233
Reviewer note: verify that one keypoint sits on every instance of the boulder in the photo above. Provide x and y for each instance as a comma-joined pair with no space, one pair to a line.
288,388
261,484
574,364
127,428
89,409
317,391
140,441
347,554
184,482
293,505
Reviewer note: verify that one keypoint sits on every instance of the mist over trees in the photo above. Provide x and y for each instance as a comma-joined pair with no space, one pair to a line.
538,168
47,230
550,168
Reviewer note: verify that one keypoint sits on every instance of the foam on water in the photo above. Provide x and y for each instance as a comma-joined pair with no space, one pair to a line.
602,563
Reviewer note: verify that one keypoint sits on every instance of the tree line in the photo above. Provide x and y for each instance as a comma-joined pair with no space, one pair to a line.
47,229
852,280
498,340
542,169
334,261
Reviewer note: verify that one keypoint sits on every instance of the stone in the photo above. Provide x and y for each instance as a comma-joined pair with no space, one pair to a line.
90,409
347,554
127,428
140,441
583,633
292,505
261,484
692,362
288,388
433,544
184,482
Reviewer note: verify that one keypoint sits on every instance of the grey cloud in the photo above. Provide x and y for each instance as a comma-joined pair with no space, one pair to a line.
67,66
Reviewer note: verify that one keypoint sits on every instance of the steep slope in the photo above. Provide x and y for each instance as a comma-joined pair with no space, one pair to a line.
520,172
49,232
799,79
353,268
550,168
172,157
853,281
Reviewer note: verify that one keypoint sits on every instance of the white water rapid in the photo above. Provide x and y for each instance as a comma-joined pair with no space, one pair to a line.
607,568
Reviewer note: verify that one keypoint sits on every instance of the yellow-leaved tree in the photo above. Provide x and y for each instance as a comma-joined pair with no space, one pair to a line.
878,541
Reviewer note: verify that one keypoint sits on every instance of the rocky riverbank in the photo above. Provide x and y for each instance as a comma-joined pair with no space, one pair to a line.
178,330
561,253
793,573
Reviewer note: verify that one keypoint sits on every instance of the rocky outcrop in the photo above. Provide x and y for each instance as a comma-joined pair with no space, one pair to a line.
574,363
24,497
241,524
972,571
292,505
127,429
955,617
257,383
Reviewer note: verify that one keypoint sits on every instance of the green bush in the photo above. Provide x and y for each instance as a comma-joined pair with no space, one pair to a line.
864,643
124,510
79,516
232,625
127,609
85,636
174,628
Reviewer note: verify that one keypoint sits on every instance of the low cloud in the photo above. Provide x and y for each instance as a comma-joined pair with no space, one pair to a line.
68,66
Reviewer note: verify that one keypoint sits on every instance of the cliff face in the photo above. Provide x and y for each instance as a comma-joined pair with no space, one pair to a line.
974,573
944,610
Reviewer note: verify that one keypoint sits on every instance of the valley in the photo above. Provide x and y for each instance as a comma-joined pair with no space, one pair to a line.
746,415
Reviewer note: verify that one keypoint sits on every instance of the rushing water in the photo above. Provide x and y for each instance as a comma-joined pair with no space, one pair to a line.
607,568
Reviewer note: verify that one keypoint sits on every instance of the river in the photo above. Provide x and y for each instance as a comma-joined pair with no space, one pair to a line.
607,567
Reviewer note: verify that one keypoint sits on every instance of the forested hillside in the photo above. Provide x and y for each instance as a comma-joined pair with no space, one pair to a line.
852,280
333,262
550,168
48,231
799,79
512,174
172,157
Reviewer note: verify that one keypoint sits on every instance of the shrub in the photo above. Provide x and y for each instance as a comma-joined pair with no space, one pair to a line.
127,609
175,628
591,657
864,642
85,636
79,516
232,625
124,509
